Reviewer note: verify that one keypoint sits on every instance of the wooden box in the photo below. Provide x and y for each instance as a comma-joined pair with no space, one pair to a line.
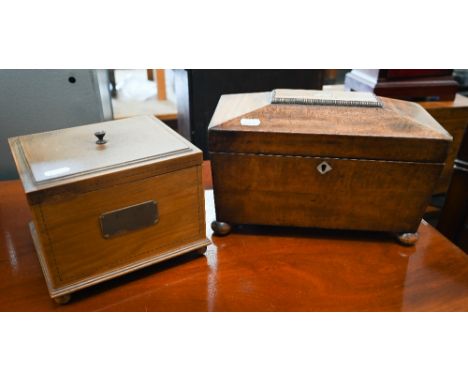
105,205
340,160
406,84
198,92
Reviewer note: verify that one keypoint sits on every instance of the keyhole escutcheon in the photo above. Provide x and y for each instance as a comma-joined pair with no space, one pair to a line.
323,168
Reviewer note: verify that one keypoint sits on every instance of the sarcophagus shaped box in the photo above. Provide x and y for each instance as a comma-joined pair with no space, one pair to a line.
110,198
340,160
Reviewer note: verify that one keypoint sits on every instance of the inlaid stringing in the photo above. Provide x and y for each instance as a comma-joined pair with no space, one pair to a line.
327,98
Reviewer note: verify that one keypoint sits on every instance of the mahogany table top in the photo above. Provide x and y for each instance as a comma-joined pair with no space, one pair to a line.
252,269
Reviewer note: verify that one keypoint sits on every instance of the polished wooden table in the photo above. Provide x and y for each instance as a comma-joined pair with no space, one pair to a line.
253,269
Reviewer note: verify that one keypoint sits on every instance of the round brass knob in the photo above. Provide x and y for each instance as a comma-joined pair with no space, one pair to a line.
100,136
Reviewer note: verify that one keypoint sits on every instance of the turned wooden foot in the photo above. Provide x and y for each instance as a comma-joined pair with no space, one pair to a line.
407,238
200,251
63,299
220,228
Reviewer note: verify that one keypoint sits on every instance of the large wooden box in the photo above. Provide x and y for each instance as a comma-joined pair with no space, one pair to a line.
336,160
106,205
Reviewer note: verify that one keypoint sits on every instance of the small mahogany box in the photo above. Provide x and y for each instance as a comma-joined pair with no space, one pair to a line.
339,160
109,198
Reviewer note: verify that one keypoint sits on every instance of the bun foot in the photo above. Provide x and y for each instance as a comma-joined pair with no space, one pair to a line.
200,251
220,228
407,238
61,300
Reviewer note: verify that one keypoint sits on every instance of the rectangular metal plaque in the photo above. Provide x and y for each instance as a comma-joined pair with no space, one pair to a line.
129,218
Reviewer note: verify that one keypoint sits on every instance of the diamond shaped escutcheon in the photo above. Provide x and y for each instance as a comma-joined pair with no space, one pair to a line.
323,168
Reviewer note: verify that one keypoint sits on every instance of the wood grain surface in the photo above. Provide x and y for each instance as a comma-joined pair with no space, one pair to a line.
159,167
401,131
290,191
385,162
71,236
253,269
402,84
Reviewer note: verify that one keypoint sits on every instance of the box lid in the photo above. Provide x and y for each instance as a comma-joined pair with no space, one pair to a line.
329,124
67,155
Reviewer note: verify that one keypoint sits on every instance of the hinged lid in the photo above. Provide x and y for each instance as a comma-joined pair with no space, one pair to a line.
67,154
332,124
